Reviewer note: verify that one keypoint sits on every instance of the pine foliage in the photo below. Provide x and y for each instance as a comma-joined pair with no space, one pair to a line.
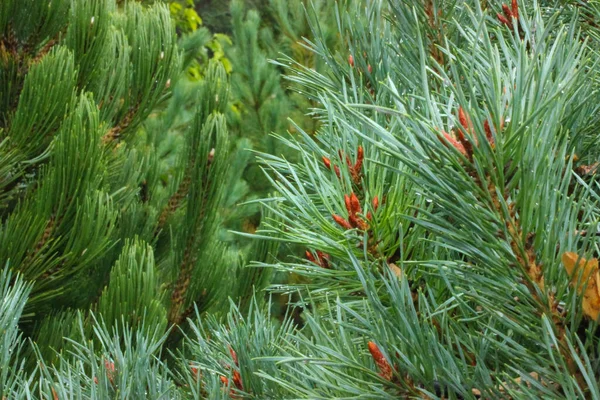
263,102
447,205
112,222
82,174
14,296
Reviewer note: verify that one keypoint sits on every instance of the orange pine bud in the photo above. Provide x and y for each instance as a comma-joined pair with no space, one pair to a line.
341,222
369,215
233,355
351,60
515,9
194,372
385,370
348,204
370,69
462,118
327,162
237,380
463,141
360,155
54,395
354,204
310,257
375,203
224,380
455,143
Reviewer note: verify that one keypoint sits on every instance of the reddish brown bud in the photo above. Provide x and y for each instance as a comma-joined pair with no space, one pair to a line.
503,20
327,162
385,371
341,222
488,132
507,12
348,204
54,395
375,203
351,60
237,380
369,215
337,171
370,69
224,380
462,139
110,370
515,9
507,16
233,355
360,155
323,259
310,257
354,204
